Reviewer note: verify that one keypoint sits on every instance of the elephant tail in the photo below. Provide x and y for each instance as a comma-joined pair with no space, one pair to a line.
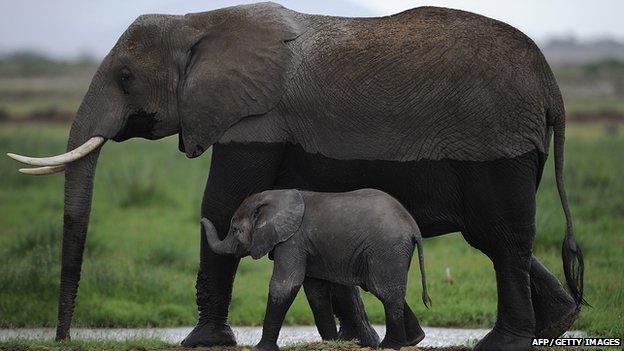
572,256
421,263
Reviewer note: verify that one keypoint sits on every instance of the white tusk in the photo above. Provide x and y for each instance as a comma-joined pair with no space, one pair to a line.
76,154
43,170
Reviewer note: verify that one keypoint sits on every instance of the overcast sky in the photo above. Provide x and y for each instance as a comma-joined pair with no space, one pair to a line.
72,27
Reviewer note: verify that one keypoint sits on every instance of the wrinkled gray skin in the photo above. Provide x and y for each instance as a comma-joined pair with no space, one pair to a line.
428,84
364,237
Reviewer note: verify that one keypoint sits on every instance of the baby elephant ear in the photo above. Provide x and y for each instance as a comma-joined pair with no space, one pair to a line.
279,217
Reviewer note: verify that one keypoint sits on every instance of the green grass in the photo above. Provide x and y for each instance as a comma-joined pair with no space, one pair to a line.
143,242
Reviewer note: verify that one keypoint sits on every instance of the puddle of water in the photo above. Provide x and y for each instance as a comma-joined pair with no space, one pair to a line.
435,337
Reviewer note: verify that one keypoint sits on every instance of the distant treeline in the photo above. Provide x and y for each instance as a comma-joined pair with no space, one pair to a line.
33,64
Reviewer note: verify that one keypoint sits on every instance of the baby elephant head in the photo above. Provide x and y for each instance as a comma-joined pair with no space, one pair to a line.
262,221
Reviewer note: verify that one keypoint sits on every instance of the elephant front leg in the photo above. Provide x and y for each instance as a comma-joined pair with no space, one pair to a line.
237,171
288,275
280,299
214,291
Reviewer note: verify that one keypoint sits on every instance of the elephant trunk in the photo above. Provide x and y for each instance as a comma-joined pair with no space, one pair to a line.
227,246
79,177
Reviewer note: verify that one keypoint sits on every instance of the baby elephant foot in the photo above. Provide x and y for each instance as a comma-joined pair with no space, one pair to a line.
365,334
265,346
415,337
391,344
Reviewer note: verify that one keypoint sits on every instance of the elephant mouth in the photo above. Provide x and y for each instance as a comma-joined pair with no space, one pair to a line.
138,124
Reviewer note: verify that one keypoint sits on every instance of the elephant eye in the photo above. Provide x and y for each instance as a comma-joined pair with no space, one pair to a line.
124,77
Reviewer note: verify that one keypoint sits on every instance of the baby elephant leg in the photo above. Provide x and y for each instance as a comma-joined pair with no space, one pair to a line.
413,332
395,324
349,308
388,284
318,293
277,306
288,276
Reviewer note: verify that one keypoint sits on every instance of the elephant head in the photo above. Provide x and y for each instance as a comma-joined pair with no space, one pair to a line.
195,75
261,222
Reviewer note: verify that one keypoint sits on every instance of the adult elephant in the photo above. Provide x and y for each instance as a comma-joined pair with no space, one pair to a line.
448,111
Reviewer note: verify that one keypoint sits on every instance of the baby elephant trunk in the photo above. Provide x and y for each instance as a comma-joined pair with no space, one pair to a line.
226,246
421,262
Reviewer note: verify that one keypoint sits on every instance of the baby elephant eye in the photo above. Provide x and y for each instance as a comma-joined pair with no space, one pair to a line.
256,213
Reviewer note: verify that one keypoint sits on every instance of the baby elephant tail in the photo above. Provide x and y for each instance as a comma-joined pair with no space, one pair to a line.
421,262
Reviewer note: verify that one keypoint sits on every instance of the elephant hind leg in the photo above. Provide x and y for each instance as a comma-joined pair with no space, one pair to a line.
349,308
413,331
392,296
509,248
499,220
318,293
395,324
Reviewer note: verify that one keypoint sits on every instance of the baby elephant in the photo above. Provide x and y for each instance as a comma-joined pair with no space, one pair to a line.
363,237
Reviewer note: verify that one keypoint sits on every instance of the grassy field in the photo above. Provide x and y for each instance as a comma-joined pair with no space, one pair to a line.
143,243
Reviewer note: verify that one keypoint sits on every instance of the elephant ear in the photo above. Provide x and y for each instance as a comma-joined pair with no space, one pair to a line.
238,68
279,217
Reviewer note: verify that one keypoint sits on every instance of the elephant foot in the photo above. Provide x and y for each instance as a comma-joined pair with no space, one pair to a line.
366,334
210,334
560,326
391,344
413,331
265,346
498,340
555,310
414,338
346,333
